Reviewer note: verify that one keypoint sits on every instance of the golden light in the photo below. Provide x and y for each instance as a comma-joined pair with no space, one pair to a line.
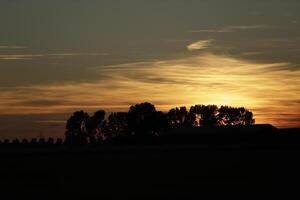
203,79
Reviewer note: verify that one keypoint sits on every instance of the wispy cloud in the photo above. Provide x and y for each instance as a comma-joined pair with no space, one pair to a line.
98,54
12,47
63,54
251,53
200,44
205,78
229,29
51,122
32,56
19,56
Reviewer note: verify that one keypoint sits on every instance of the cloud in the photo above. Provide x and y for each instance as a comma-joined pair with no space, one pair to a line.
32,125
206,78
295,21
51,122
32,56
98,54
12,47
251,53
63,54
19,57
200,44
42,102
229,29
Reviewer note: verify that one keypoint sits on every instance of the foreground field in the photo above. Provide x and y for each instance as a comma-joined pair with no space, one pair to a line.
163,171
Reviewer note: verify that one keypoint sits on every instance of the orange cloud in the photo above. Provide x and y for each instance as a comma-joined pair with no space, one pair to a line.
271,90
200,44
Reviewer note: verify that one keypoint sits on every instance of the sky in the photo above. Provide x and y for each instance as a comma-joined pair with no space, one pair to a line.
60,56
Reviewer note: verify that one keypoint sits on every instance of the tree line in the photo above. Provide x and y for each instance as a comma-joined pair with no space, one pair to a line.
143,119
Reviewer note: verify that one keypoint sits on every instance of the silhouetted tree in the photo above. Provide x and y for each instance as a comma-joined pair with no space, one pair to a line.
24,141
161,122
202,115
106,133
93,125
195,115
178,117
58,142
16,141
50,141
248,118
42,142
209,115
142,119
117,123
235,116
76,132
226,115
33,141
6,142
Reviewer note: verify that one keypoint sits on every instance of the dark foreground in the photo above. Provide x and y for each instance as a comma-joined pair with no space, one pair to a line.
265,166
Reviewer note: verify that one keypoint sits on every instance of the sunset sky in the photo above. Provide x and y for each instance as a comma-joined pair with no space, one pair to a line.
59,56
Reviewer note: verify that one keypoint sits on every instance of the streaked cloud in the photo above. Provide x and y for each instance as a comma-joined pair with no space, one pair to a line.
251,53
19,57
34,125
32,56
63,54
98,54
295,21
51,122
200,44
12,47
206,78
229,29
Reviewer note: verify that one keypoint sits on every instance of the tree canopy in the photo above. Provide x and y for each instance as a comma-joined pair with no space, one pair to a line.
143,119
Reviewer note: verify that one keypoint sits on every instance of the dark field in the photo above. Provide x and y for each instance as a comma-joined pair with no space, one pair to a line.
263,164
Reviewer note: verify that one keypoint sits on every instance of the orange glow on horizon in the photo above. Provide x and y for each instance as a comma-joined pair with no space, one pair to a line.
271,91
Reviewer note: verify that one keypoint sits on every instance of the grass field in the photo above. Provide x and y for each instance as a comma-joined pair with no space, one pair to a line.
161,171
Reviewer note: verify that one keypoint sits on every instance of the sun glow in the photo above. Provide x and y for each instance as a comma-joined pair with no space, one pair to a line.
203,79
228,99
